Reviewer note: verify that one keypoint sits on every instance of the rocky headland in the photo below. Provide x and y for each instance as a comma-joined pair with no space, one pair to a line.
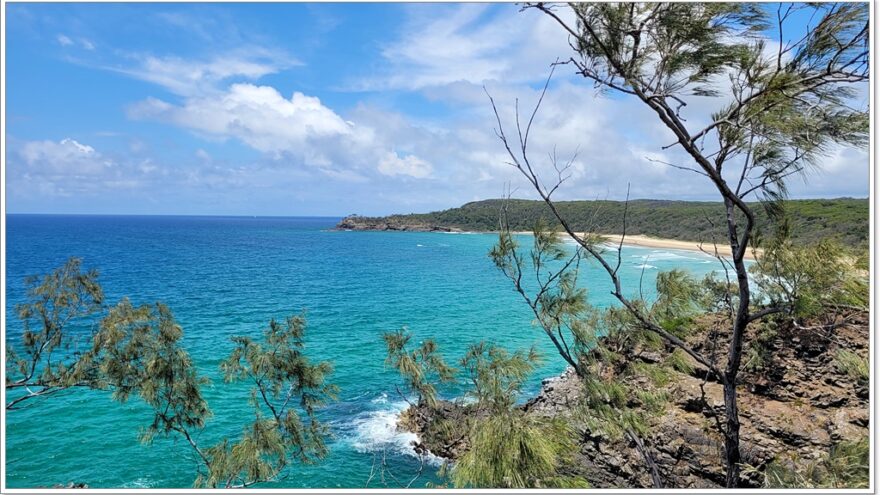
355,222
794,408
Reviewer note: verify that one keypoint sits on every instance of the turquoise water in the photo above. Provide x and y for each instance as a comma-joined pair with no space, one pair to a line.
225,276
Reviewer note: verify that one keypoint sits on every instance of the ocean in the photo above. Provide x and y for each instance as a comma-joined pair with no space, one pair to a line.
226,276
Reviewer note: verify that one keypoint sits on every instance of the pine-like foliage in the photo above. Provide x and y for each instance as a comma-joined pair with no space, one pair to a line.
136,351
508,448
853,365
846,465
47,361
287,391
808,280
785,108
139,352
496,375
515,451
420,367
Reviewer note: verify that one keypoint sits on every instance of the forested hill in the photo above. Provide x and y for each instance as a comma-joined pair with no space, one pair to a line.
845,219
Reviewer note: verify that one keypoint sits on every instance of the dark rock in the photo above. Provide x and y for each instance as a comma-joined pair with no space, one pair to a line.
799,405
355,222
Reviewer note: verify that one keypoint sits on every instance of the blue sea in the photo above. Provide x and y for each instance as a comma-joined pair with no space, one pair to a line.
226,276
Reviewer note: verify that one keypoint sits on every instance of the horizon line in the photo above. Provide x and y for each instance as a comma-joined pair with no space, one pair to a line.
245,215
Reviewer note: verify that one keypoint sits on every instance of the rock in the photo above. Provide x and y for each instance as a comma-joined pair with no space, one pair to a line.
355,222
798,406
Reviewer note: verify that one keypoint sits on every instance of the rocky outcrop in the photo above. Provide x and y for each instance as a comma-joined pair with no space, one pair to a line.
798,404
355,222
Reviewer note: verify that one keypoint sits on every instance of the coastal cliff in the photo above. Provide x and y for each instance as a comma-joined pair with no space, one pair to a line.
795,407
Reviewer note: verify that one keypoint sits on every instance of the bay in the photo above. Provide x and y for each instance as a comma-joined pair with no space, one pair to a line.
225,276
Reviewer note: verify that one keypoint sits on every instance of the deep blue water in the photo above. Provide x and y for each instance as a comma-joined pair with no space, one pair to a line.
225,276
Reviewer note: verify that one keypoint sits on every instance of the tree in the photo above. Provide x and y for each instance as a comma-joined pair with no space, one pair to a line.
505,447
600,344
55,301
136,351
420,367
508,448
785,106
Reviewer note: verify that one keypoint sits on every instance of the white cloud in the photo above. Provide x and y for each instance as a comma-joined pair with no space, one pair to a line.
475,43
298,130
63,168
359,156
259,116
42,170
843,171
194,77
203,155
413,166
63,157
65,40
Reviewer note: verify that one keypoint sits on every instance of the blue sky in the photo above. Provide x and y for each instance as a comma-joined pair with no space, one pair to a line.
314,109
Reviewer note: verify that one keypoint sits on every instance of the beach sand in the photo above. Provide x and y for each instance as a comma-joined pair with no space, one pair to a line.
654,242
660,243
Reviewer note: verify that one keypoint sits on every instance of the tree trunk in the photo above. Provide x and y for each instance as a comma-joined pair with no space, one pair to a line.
731,435
734,355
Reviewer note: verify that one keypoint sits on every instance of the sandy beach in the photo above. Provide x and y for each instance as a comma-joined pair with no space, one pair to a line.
657,242
654,242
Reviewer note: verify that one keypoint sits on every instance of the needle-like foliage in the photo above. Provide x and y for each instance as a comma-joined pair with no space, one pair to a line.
136,351
420,367
497,375
808,280
515,451
508,448
139,352
47,358
846,465
780,110
287,391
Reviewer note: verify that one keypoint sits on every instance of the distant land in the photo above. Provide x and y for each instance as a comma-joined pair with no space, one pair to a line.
843,219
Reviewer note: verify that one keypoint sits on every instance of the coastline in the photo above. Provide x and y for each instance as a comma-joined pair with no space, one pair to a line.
656,242
659,243
611,239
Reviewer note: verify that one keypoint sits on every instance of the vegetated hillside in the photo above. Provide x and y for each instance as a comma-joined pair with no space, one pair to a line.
845,219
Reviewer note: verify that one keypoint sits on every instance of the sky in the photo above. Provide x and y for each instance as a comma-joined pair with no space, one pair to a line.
320,109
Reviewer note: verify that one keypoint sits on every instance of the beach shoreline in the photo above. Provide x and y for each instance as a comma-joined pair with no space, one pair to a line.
707,248
656,242
632,240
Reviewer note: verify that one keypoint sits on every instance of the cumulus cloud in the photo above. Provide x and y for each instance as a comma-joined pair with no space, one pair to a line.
41,170
299,127
65,168
313,152
413,166
67,156
259,116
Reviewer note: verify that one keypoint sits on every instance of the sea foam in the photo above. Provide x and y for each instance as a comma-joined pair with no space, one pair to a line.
377,431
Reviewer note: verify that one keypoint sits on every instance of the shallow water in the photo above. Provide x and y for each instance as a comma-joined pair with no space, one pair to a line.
225,276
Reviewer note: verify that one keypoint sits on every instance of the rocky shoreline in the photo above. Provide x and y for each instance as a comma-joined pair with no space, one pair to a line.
385,224
793,410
